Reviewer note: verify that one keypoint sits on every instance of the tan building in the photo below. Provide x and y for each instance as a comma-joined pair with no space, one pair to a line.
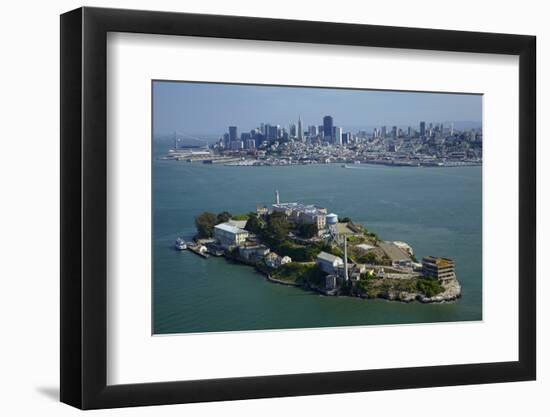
441,268
303,213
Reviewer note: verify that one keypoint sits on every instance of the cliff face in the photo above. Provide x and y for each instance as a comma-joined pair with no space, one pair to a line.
452,291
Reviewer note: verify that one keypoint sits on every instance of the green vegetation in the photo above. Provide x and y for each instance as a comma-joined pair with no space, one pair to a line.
242,216
429,286
277,228
356,240
254,223
223,217
376,287
367,258
205,223
308,230
299,253
300,273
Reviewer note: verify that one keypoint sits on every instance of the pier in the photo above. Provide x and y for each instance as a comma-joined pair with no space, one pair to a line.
196,250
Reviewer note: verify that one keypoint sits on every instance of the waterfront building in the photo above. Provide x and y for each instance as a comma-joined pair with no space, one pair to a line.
229,236
327,127
441,268
273,260
329,263
330,282
253,252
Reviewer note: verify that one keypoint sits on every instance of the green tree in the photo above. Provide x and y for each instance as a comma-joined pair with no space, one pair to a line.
205,223
254,224
308,230
429,286
277,226
223,217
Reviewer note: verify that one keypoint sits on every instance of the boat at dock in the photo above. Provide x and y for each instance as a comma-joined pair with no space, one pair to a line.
180,244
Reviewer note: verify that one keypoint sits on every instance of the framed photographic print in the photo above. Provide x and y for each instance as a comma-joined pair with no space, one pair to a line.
256,208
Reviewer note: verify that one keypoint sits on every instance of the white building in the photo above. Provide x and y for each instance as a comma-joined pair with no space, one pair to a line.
329,263
229,236
286,260
273,260
337,136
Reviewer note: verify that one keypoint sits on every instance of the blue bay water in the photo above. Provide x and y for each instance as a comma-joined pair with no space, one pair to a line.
436,210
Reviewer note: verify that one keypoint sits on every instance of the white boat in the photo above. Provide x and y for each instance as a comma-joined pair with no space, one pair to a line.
180,244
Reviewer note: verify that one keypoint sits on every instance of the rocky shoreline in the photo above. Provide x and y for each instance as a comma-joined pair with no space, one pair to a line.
452,292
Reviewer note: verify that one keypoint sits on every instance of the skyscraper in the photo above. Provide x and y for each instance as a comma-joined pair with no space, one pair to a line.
292,130
300,129
313,131
384,132
337,135
273,132
232,133
327,127
422,129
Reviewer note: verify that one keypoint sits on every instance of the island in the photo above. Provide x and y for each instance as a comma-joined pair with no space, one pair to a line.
305,246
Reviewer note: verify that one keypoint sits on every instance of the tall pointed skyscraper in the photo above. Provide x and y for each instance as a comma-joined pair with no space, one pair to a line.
300,129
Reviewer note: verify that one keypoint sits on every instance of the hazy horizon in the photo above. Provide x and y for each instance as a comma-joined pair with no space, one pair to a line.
208,109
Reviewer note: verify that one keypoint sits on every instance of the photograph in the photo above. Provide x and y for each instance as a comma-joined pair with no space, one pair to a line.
280,207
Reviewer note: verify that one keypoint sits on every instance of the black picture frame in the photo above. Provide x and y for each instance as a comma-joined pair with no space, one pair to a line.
84,207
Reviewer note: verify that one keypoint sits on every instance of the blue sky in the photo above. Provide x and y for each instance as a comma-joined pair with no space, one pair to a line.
203,108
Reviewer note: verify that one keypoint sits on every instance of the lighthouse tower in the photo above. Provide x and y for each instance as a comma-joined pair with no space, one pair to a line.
277,196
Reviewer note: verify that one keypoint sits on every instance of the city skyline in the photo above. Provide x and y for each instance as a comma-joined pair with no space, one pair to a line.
208,108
